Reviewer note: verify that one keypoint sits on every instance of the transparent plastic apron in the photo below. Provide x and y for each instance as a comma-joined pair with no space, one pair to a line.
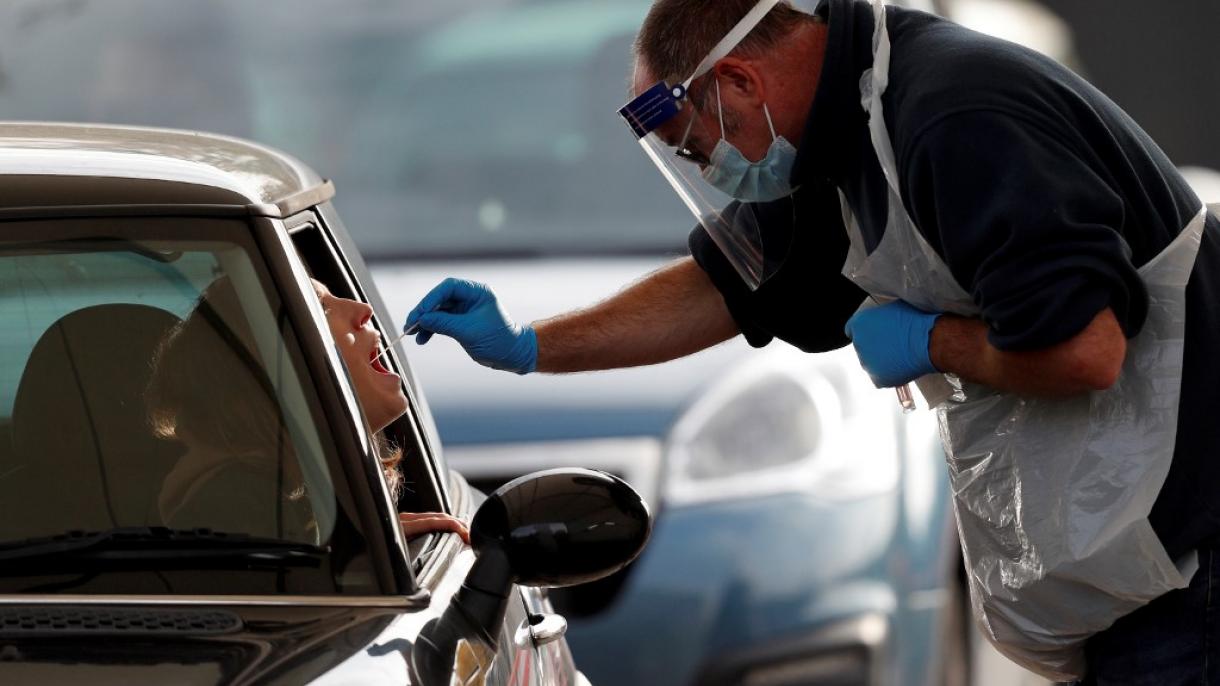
1051,496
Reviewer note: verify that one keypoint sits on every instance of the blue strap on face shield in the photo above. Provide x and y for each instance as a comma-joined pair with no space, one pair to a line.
652,108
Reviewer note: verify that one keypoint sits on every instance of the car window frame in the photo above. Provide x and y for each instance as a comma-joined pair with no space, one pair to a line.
322,357
316,247
349,256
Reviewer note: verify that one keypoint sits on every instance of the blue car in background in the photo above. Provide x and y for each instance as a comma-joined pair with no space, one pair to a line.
804,531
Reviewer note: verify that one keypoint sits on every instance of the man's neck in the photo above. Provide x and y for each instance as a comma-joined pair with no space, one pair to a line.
799,66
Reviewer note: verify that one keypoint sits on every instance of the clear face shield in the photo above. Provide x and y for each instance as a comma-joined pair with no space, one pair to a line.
667,123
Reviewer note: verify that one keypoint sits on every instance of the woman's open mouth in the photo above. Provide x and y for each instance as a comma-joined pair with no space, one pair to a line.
377,364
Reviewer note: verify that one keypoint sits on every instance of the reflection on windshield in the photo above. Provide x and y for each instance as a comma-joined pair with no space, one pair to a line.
470,126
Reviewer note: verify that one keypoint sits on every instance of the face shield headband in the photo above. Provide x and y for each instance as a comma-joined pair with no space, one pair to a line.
663,119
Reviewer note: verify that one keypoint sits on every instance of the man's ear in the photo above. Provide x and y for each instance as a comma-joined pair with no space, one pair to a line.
741,82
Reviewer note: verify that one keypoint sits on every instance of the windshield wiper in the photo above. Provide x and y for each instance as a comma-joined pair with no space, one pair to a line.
179,548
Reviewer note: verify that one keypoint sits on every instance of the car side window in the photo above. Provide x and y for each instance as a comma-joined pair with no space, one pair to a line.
322,260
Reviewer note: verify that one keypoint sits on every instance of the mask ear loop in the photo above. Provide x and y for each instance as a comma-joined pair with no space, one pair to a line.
719,108
720,112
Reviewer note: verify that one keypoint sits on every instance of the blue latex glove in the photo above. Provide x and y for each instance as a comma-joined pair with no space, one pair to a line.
469,313
892,342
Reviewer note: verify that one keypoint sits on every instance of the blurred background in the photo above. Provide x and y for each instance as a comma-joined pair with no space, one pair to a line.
804,530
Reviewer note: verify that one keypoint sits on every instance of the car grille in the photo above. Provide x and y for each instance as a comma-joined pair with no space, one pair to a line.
28,621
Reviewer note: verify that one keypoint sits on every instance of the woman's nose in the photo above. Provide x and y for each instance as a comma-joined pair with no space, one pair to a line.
363,313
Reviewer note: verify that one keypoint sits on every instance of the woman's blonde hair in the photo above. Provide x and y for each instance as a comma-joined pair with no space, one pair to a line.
390,455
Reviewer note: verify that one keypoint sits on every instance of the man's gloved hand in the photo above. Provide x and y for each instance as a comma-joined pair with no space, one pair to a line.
469,313
892,342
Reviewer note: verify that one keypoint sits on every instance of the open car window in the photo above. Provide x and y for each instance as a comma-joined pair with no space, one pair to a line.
150,380
418,475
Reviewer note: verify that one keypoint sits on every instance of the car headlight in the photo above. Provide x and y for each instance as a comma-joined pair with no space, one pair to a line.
783,427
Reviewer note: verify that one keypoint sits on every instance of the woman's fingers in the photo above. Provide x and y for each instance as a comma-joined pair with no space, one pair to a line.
419,523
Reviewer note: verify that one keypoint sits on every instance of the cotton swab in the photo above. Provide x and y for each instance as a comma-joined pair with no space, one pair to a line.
413,329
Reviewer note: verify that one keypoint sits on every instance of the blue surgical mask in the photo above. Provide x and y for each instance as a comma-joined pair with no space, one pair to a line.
762,181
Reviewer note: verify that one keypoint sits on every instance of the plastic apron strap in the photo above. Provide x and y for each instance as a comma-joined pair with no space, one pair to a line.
930,277
873,84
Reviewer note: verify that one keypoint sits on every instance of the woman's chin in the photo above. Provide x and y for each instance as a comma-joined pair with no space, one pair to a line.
385,409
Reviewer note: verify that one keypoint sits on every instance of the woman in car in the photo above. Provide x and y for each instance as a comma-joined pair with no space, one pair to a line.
239,472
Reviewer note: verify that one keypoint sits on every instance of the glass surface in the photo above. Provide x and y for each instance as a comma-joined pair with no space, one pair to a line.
150,379
450,128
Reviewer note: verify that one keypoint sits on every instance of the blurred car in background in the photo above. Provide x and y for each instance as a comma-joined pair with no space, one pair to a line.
804,532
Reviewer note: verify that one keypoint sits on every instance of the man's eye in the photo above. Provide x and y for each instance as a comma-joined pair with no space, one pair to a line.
692,156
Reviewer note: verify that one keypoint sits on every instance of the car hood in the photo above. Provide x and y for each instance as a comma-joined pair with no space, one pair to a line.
473,404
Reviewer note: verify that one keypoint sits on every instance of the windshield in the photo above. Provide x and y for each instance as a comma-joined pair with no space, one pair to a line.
465,127
150,381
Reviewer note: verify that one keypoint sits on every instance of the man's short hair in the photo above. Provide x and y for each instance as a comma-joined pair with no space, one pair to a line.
678,34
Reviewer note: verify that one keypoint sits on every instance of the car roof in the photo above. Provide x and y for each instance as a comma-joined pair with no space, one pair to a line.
49,164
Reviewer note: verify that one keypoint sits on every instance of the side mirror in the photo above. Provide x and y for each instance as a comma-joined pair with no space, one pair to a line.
554,528
562,527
